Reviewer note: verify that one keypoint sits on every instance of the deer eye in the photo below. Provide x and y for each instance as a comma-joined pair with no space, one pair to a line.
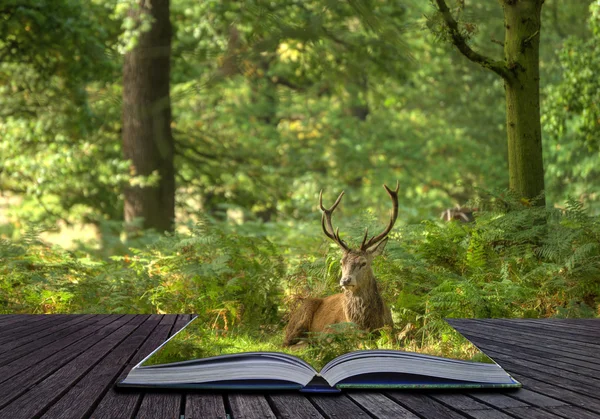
362,265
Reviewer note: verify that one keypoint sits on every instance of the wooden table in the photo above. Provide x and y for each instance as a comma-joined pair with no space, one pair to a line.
65,366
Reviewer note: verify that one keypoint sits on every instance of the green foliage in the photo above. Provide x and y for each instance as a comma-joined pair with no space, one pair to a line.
38,278
65,38
225,278
57,130
274,101
517,261
572,119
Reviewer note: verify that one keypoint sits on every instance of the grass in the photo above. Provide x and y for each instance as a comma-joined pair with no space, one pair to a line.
198,340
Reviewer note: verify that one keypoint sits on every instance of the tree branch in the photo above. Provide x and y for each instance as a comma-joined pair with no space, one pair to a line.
460,43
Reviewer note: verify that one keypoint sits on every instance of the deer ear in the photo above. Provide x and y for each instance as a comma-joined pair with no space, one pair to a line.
377,249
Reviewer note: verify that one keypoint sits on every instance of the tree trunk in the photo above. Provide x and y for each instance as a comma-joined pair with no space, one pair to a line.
147,138
521,49
520,71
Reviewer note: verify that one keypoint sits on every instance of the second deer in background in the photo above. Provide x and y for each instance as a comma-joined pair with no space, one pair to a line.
462,214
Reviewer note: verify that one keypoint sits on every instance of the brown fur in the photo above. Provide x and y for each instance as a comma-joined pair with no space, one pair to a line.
360,303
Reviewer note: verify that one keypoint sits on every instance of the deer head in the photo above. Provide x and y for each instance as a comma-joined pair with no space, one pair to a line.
462,214
357,273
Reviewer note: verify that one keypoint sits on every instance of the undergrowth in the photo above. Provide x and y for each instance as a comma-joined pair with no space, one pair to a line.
515,260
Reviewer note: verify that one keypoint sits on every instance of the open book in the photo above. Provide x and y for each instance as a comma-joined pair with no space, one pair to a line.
167,367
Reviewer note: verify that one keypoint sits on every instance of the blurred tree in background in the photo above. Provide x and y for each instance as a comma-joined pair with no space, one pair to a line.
147,137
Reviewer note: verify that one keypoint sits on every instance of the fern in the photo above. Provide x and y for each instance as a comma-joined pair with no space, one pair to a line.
514,261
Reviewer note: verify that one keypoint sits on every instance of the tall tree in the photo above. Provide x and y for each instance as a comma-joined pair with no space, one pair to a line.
147,137
520,72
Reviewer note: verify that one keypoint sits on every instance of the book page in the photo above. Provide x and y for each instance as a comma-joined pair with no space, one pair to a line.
196,342
347,357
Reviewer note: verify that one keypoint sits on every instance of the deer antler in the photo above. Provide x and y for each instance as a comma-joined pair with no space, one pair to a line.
394,214
326,221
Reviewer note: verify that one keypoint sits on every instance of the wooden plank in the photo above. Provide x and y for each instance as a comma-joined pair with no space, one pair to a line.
546,373
250,406
488,414
19,359
169,408
7,321
43,395
337,405
518,412
544,330
586,321
506,404
590,341
460,402
574,412
543,347
589,368
569,368
532,413
29,372
202,406
27,328
558,392
16,341
464,403
498,400
155,401
578,324
380,406
426,407
540,330
548,341
11,321
18,347
8,318
123,404
552,379
537,399
562,369
40,327
292,406
41,343
589,329
79,400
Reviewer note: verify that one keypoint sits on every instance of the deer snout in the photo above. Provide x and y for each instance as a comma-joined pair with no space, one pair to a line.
347,281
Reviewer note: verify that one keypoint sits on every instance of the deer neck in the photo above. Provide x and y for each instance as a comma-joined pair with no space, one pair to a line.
364,306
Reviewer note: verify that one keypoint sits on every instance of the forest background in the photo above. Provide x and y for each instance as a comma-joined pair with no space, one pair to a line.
168,159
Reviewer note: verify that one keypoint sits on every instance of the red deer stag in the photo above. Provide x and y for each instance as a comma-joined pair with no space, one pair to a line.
360,302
